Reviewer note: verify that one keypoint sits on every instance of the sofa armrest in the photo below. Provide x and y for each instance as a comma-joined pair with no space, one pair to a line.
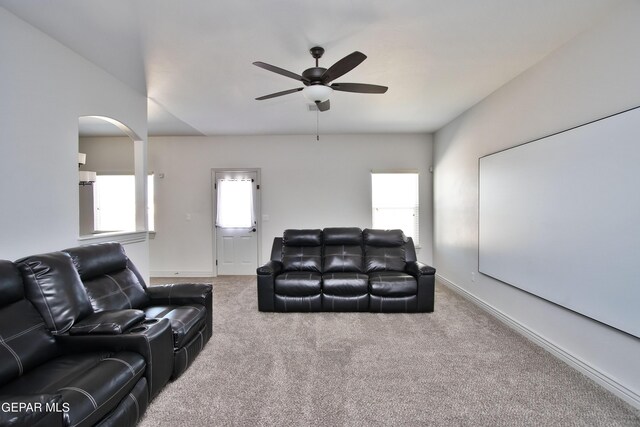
266,284
271,268
417,269
113,322
41,410
180,294
425,276
184,294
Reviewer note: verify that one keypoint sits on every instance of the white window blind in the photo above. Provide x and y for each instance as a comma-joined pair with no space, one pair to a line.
234,203
395,202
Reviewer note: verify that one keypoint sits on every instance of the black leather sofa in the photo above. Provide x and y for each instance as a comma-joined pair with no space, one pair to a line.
345,269
84,342
48,383
112,282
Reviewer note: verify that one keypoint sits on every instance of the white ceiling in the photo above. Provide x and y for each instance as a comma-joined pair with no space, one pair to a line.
193,57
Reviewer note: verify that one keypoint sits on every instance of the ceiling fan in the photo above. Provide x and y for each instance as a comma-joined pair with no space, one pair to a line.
316,79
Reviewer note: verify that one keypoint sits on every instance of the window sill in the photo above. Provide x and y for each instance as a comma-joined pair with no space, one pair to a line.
122,237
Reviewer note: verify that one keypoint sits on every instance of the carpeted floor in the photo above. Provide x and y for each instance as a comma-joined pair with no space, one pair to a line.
456,366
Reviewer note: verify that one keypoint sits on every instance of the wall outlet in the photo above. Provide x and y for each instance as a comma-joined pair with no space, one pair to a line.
473,276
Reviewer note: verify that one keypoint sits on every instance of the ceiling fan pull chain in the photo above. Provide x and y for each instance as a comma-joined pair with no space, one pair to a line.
318,125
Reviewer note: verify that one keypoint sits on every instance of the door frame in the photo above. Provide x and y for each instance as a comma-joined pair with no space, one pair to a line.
258,209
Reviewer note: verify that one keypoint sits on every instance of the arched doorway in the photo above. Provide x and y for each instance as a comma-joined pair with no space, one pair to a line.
113,184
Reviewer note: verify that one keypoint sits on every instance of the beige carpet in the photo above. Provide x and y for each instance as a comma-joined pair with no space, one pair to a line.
456,366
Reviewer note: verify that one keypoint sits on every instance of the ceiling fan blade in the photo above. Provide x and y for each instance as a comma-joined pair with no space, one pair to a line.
359,88
343,66
323,106
280,71
284,92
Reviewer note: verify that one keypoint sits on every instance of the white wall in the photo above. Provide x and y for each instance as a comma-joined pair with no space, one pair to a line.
592,76
305,184
44,88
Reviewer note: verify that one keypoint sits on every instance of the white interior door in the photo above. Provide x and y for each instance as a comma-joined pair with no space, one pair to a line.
236,222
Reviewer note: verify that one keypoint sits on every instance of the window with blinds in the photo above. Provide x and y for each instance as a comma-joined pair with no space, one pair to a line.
395,202
235,208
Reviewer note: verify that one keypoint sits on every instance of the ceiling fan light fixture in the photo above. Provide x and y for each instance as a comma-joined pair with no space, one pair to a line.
317,93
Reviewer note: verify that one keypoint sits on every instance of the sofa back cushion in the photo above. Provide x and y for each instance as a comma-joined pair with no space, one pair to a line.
107,278
384,250
24,341
302,250
54,287
97,260
342,250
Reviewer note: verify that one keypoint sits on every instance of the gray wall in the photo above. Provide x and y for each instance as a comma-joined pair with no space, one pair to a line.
305,184
593,75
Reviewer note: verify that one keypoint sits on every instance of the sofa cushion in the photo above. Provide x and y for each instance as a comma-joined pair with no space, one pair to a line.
350,236
186,320
298,284
302,258
24,341
302,238
345,284
92,384
130,409
106,274
116,290
384,258
302,250
95,260
54,287
386,238
342,258
392,284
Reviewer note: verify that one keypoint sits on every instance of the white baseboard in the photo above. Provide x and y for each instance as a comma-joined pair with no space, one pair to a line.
172,273
599,377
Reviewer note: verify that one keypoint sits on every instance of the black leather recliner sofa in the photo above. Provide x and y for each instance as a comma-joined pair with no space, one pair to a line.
46,382
112,282
345,269
84,342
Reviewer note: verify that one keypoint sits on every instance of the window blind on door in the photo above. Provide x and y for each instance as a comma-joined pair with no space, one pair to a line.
234,203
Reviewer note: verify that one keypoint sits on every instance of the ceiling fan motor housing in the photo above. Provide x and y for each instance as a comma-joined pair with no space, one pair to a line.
313,75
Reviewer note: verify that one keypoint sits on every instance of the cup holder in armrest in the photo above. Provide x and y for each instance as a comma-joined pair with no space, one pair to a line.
138,329
150,321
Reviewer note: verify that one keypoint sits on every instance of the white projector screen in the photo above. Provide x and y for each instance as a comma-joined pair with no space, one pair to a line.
559,217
